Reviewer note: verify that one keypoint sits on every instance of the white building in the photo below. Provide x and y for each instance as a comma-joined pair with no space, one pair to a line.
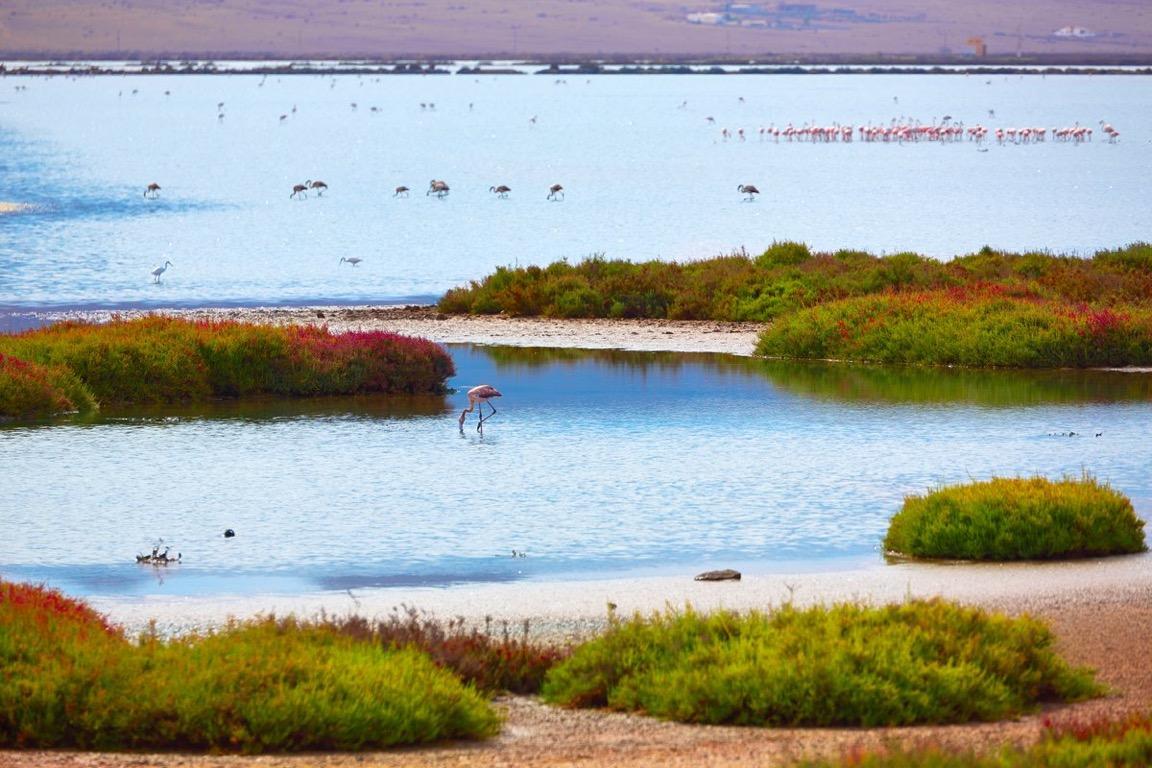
1073,32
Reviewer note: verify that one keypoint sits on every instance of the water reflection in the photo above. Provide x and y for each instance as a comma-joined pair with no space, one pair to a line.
852,382
275,408
598,463
992,388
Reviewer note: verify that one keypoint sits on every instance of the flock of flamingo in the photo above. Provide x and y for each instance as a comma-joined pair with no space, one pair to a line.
901,131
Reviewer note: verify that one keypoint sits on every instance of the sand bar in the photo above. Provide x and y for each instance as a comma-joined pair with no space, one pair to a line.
425,321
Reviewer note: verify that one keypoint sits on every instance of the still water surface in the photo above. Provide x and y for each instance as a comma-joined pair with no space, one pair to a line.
646,176
598,463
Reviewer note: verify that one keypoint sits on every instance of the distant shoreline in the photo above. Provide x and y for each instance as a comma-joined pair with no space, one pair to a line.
34,65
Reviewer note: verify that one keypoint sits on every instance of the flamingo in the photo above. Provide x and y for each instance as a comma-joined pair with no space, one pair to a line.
299,189
748,189
480,394
400,190
500,191
152,190
353,260
437,187
159,271
555,190
320,186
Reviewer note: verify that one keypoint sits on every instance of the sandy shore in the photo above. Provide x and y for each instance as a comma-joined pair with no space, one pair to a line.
1101,610
637,335
571,610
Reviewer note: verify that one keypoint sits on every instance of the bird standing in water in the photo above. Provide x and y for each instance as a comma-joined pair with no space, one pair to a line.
481,394
159,271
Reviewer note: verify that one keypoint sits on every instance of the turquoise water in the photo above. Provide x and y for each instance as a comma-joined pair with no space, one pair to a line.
646,176
596,464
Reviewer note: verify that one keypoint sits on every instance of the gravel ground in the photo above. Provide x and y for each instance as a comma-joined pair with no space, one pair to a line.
1110,636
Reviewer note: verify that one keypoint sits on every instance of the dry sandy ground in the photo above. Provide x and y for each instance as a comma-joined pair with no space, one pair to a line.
638,335
453,28
1101,614
1100,610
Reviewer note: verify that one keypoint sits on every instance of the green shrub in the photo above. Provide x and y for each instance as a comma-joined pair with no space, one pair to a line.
921,662
28,390
786,253
268,685
1017,519
1125,744
1137,256
984,327
162,359
491,662
788,277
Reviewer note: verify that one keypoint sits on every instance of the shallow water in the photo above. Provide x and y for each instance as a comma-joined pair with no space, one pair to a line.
644,177
597,464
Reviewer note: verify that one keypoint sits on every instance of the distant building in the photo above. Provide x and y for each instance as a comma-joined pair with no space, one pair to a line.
705,18
1073,32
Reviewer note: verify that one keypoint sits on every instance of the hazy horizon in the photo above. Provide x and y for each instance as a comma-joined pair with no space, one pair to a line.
500,28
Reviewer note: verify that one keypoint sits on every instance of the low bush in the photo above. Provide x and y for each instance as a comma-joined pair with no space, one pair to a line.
788,277
269,685
28,390
1017,519
1126,744
493,662
162,359
984,326
920,662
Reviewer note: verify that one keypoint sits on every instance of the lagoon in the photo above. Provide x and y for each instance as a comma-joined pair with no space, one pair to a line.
601,464
646,175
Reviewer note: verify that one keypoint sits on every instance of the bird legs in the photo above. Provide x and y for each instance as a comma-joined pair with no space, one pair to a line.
473,404
480,426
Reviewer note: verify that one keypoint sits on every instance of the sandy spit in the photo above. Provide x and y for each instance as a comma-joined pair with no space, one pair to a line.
425,321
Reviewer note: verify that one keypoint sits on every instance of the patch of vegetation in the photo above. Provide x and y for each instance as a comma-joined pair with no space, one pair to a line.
787,277
920,662
28,390
984,327
163,360
489,661
1126,744
1017,519
270,685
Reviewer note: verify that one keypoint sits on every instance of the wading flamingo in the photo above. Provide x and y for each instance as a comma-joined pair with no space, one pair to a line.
748,189
401,191
500,191
481,394
318,185
353,260
437,187
159,271
152,190
555,190
299,189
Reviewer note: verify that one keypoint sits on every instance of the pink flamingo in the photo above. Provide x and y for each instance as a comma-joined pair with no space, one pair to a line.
153,190
480,394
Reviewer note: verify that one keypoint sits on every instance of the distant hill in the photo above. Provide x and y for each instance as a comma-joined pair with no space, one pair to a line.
666,29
